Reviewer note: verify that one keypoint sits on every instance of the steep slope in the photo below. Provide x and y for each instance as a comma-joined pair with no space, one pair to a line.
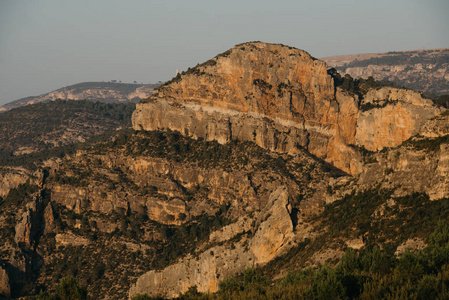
144,200
421,70
282,99
92,91
279,97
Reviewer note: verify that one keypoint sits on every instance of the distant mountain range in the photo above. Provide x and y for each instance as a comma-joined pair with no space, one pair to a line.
422,70
93,91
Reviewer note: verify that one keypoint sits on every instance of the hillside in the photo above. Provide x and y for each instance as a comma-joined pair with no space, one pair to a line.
52,124
93,91
421,70
255,175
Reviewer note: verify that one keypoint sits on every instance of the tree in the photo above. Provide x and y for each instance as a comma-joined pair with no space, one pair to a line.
68,289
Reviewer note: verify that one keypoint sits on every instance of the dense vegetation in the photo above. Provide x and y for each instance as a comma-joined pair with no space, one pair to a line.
427,144
378,219
34,160
44,126
371,273
354,86
69,288
209,154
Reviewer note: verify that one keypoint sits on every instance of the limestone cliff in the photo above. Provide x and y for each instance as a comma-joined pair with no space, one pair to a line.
277,96
30,223
392,116
282,99
217,263
12,177
421,165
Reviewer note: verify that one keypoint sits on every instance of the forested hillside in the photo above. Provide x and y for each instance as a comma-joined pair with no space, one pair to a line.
44,126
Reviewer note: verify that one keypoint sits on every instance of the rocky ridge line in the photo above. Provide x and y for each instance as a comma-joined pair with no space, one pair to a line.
282,99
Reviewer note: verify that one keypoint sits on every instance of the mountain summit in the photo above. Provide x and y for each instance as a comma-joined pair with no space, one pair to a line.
282,99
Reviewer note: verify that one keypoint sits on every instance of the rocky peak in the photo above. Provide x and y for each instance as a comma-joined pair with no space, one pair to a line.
282,99
277,96
269,79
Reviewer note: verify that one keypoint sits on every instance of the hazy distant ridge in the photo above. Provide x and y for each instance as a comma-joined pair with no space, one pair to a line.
422,70
93,91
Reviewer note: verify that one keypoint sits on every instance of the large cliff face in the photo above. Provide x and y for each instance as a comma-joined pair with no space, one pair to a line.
279,97
159,212
217,263
282,99
391,116
421,165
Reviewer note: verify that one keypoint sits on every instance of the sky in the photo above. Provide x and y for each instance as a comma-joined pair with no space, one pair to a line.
49,44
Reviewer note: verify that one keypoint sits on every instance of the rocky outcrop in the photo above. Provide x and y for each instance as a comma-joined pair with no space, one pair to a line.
217,263
436,127
411,245
5,289
275,229
277,96
242,225
70,239
49,219
282,99
162,187
421,165
30,223
11,178
391,116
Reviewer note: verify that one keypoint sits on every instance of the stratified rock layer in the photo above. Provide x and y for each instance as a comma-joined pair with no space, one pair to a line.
215,264
394,116
282,99
279,97
418,166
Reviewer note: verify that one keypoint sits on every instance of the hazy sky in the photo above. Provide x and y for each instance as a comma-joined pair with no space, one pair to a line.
48,44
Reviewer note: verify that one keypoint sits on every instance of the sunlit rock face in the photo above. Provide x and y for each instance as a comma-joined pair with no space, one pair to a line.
277,96
394,115
273,232
282,98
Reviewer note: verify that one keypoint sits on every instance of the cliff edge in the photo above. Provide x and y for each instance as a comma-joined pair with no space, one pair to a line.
282,99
